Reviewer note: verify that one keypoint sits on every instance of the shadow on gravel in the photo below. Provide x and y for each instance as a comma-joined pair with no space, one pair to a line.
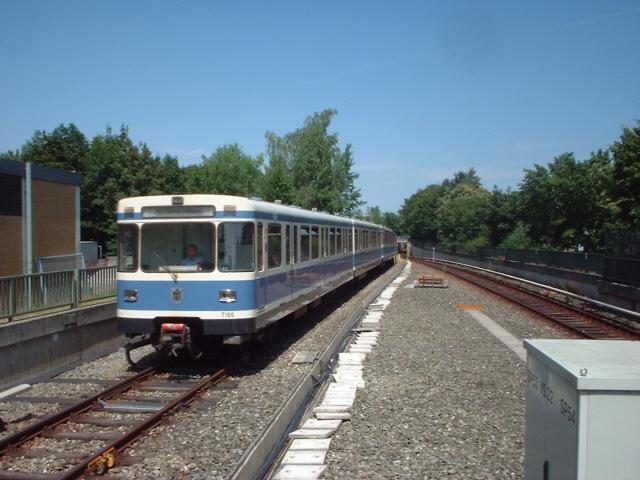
277,338
256,356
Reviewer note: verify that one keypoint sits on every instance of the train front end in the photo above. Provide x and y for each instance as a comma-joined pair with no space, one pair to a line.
185,270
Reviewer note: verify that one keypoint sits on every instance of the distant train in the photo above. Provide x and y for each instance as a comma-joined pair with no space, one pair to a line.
193,267
402,245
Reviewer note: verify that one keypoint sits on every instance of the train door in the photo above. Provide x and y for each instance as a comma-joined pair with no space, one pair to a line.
352,245
288,261
261,281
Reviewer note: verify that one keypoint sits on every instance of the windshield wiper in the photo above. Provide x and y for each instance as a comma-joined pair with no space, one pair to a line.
165,266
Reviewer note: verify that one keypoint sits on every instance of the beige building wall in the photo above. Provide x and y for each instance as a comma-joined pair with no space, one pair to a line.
54,217
11,245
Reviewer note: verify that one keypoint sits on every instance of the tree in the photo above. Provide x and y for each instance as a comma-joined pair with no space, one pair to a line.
11,155
374,215
64,147
503,214
227,171
566,203
321,174
115,168
418,214
626,175
534,206
391,220
277,183
517,238
462,217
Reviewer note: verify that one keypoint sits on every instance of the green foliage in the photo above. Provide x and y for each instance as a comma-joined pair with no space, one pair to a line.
462,216
563,205
567,204
626,175
65,147
391,220
374,215
517,238
227,171
308,168
418,214
115,168
277,183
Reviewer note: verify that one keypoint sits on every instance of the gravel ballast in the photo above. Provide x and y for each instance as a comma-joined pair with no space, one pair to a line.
443,396
208,439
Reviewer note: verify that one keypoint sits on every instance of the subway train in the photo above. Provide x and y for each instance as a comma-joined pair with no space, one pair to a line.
196,267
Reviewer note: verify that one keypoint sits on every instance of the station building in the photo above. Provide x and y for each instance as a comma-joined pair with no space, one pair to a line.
39,215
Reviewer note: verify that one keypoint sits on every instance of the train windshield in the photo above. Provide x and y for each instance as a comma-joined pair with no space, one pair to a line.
236,247
177,247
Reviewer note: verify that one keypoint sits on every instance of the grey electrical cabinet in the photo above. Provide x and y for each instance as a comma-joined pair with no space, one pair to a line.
583,410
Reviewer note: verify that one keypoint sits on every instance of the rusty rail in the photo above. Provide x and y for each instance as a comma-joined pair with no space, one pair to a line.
584,322
105,457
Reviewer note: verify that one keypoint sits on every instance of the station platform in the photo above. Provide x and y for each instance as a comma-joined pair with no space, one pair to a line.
444,394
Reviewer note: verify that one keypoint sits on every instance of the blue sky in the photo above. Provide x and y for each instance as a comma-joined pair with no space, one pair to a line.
422,89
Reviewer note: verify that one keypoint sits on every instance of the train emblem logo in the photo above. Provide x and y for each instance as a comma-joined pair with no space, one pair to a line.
176,295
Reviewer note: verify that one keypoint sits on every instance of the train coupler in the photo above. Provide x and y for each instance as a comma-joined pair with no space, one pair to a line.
175,338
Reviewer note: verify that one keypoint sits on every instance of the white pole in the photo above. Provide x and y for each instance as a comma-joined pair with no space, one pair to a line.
28,257
28,270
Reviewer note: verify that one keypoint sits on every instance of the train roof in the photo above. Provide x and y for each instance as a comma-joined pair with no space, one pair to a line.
228,206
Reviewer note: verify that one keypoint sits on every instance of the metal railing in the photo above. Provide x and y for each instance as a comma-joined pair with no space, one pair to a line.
26,294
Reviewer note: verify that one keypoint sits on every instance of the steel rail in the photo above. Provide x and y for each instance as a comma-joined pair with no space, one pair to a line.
61,416
606,306
584,322
104,459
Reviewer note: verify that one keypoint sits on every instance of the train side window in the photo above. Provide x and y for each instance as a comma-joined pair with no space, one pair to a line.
235,247
274,245
305,243
260,244
296,258
325,240
332,241
287,245
339,241
315,243
127,248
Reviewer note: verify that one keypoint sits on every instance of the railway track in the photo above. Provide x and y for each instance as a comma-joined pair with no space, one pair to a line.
146,398
584,322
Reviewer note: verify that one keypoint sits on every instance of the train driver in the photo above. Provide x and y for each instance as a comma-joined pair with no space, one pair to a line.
192,257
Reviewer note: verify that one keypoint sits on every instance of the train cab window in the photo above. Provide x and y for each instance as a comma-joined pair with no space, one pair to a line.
287,245
315,243
296,258
236,247
305,243
274,245
127,248
260,244
177,247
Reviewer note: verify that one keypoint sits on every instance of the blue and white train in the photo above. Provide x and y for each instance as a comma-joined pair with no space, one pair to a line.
197,266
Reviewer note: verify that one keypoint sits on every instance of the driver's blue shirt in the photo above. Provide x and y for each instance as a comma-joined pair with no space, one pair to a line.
192,261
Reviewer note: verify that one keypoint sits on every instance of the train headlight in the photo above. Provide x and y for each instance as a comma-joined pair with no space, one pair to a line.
130,295
227,296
